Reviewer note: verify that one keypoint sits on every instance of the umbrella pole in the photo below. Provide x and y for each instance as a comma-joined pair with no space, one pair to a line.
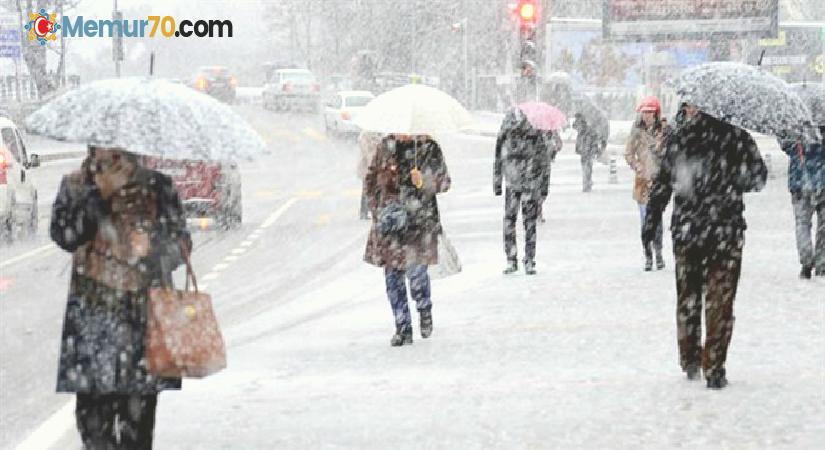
152,64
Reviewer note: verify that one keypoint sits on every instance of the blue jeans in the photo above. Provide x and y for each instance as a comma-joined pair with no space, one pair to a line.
657,241
397,291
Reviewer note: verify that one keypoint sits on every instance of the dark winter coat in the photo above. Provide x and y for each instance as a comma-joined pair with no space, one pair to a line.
388,179
522,157
102,344
806,167
592,127
708,165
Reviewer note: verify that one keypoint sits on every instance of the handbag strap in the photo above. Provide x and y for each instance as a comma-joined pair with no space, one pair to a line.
190,273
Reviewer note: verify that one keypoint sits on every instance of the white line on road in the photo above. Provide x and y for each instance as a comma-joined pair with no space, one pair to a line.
52,430
231,258
219,267
277,214
209,276
29,254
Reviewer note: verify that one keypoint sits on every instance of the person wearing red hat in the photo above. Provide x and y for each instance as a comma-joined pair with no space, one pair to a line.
643,154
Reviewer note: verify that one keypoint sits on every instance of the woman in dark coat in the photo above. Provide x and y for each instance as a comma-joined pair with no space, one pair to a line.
406,173
125,227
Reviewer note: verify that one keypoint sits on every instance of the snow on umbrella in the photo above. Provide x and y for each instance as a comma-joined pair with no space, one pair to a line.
813,94
543,116
149,117
743,96
595,117
414,109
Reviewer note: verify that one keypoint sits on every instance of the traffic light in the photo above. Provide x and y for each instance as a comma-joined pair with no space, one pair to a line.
527,12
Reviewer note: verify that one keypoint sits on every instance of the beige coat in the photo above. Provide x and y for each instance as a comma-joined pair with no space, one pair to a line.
368,141
643,154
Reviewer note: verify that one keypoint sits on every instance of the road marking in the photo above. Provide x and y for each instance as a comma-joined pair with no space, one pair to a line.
231,258
52,430
29,254
246,243
277,214
315,134
238,251
219,267
209,276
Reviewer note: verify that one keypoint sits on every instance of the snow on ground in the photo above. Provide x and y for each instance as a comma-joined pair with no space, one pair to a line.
581,356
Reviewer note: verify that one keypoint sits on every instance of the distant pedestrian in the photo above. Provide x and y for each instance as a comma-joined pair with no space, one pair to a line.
401,184
554,146
806,182
522,163
707,167
643,154
368,142
590,144
125,228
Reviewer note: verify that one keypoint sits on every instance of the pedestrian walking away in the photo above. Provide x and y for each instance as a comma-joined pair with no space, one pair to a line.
806,183
401,183
521,163
590,144
707,167
643,154
554,146
125,228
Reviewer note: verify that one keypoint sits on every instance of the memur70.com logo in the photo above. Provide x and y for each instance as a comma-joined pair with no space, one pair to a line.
43,27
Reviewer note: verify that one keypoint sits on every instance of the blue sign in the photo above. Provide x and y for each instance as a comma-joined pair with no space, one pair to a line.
9,51
9,36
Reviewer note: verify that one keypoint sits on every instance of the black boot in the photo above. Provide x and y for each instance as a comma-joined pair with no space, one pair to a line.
717,381
692,373
512,267
648,259
403,336
530,267
660,261
426,323
805,273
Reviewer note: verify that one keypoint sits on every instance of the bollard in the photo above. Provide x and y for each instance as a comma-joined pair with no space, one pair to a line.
613,176
769,166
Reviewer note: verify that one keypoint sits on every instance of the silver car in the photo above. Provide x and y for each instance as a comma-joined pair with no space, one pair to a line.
290,89
341,109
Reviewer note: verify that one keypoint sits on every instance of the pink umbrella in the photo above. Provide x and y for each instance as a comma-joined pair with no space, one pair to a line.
543,116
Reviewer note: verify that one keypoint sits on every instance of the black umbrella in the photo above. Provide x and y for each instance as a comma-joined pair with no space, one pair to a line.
813,94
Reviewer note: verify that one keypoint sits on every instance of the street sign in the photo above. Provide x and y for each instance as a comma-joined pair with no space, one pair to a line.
9,51
658,20
9,36
819,64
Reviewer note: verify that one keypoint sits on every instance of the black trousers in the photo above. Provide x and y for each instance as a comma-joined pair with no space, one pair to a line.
116,421
529,205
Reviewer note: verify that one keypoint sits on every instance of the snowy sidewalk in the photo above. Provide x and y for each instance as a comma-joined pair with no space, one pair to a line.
583,355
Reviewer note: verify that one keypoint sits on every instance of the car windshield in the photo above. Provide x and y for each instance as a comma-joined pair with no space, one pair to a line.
298,77
213,72
357,101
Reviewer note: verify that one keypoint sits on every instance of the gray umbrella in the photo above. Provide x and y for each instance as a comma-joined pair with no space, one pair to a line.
813,94
149,117
744,96
595,117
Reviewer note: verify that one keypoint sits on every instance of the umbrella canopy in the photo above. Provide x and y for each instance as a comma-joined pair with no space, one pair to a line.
743,96
148,117
595,117
543,116
414,109
813,94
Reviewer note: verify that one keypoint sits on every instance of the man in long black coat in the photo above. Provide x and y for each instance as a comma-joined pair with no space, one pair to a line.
708,166
522,161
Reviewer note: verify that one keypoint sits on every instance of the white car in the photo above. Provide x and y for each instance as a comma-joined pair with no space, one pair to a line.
18,197
291,89
341,109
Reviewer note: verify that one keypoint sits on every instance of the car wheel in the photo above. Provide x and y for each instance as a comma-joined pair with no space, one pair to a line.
7,224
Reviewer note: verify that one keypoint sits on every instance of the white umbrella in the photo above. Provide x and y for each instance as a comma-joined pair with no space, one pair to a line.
148,117
414,109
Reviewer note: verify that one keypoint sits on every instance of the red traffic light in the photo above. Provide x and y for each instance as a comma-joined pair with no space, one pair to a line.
527,11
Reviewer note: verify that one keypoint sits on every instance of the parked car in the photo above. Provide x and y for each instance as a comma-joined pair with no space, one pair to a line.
215,81
18,196
290,89
209,190
341,109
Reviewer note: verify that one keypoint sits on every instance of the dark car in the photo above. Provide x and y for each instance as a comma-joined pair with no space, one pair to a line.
210,191
215,81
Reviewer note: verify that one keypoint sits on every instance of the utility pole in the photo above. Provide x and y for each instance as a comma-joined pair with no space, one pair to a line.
117,43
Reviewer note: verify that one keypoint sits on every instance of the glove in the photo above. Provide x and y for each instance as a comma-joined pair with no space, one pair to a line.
497,190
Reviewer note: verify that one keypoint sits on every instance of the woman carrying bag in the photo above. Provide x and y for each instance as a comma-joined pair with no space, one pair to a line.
643,154
126,230
401,185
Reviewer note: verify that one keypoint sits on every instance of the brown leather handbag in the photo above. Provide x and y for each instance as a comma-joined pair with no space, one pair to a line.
183,338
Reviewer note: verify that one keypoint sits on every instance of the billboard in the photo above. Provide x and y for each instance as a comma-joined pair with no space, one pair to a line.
796,54
659,20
